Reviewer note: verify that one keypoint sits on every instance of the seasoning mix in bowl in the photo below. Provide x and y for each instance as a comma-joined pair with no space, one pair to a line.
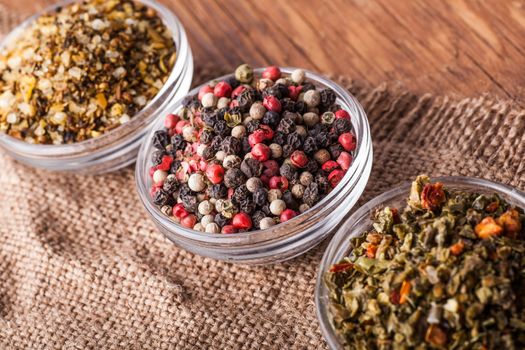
248,160
74,76
444,269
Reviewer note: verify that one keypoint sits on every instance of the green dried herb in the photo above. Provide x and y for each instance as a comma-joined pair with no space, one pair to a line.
448,273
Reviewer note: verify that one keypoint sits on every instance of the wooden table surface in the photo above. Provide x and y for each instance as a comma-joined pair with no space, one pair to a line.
455,47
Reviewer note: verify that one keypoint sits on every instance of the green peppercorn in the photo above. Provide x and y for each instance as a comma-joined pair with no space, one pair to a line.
244,73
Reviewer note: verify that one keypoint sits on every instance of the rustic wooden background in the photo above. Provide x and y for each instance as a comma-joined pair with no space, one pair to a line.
455,47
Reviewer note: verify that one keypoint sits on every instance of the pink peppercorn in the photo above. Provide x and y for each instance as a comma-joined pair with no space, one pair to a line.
179,211
242,221
342,114
189,221
294,91
222,89
261,152
271,168
234,104
344,160
165,163
238,90
335,177
330,165
299,159
272,72
203,91
180,125
348,141
229,229
287,214
279,183
256,137
272,103
215,173
268,132
171,121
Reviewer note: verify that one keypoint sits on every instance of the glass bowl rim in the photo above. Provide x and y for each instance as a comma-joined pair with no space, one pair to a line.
254,236
337,242
178,35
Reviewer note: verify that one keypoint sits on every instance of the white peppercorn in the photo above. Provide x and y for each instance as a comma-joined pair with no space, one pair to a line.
207,219
213,228
298,76
301,130
310,119
276,150
322,156
205,207
198,227
231,161
188,133
311,97
274,194
266,223
253,184
196,182
239,131
303,207
159,176
220,155
306,178
298,191
277,206
257,111
209,100
220,205
200,149
223,102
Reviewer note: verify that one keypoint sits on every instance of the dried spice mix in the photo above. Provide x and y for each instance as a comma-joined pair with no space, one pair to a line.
445,272
250,152
83,70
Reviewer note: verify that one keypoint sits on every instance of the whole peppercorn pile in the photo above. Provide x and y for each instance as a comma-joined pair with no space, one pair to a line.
83,70
250,152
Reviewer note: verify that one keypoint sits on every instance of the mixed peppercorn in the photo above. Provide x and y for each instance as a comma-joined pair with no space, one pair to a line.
83,70
250,152
447,272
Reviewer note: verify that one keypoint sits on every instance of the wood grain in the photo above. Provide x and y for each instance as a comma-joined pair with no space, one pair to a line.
455,47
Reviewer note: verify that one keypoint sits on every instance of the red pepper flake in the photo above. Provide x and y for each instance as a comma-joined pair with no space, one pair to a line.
341,267
394,297
457,248
433,196
371,251
436,336
406,287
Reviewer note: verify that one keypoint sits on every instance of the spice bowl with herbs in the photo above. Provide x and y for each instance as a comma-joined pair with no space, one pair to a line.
82,81
436,264
257,166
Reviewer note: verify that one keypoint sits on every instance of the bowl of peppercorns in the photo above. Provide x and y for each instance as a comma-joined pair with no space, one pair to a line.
256,167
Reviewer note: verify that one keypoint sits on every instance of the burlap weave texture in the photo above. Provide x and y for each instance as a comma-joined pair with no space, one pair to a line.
81,265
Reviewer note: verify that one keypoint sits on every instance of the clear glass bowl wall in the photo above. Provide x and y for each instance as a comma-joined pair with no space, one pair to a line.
361,221
119,147
286,240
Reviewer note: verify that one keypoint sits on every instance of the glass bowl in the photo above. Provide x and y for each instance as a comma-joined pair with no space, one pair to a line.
361,221
286,240
119,147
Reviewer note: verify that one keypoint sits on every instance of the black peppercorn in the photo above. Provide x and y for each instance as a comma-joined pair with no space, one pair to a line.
240,194
175,166
231,145
295,140
322,139
190,203
216,143
301,107
219,191
234,178
245,145
156,157
311,194
279,138
328,97
260,196
252,125
161,198
322,182
266,210
178,142
289,171
290,200
278,90
247,205
209,119
286,126
206,137
257,217
251,167
307,86
186,101
287,151
247,98
335,150
221,128
271,119
221,220
310,145
312,166
161,139
342,125
208,153
171,184
287,105
232,82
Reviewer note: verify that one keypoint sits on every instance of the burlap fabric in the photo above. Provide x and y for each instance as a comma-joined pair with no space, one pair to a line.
82,266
